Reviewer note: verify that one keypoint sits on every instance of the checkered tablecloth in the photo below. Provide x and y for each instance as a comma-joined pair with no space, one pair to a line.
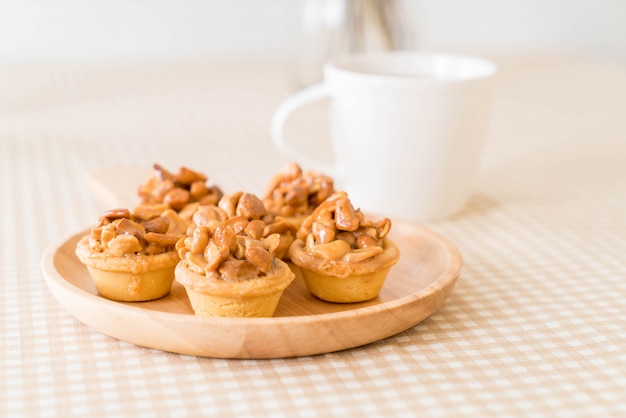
536,325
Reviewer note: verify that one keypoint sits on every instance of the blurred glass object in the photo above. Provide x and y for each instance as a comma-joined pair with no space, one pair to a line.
334,27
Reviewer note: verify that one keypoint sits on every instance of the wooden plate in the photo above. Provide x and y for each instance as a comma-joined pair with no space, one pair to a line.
303,325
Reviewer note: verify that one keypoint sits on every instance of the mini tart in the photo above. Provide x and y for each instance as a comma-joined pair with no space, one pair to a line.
230,269
131,256
211,295
131,277
341,281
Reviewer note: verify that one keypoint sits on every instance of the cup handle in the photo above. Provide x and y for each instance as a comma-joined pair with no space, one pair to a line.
282,114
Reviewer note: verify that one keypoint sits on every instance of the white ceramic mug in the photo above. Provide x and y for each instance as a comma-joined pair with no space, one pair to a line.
407,129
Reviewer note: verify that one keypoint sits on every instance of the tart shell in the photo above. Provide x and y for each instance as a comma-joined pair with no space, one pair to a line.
343,282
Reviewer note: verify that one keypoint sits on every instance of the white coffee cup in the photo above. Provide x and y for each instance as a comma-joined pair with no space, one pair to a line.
407,129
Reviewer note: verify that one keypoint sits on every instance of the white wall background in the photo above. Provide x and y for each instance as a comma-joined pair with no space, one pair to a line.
53,30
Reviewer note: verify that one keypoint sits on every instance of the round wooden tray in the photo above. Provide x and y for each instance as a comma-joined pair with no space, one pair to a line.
303,325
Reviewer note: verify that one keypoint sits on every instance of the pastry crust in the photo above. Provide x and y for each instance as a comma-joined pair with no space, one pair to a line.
344,282
129,278
211,295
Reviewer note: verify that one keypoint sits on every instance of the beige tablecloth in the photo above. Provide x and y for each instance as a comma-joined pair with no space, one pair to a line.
536,325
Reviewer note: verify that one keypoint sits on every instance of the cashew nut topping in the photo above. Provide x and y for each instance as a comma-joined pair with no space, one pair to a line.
243,204
178,190
293,192
120,232
234,249
336,231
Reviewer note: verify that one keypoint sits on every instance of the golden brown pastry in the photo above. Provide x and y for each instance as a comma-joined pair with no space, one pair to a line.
343,257
229,269
131,256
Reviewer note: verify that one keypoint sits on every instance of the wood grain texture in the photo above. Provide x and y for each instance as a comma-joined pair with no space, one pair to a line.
303,325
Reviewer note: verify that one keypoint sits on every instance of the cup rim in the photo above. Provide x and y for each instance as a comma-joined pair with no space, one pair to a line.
450,67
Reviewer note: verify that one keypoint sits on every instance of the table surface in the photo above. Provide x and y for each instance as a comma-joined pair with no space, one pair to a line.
536,324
